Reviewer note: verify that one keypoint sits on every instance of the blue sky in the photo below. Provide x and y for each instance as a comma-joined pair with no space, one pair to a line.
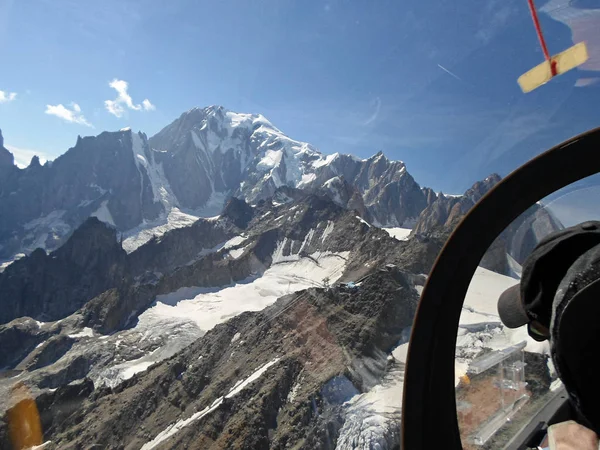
430,82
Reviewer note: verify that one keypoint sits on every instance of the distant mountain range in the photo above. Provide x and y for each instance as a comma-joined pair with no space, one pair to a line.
144,187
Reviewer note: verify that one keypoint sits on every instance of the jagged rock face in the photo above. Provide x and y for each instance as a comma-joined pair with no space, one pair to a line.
516,241
18,338
55,407
389,194
8,172
446,211
181,246
41,205
238,211
480,188
49,287
346,195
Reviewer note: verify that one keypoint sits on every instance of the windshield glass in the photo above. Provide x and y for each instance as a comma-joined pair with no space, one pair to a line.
216,218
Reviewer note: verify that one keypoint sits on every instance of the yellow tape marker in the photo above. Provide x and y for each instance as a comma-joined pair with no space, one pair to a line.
565,61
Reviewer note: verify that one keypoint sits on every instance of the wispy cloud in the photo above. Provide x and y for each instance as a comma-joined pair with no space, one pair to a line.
73,115
117,107
23,155
6,97
373,118
449,73
148,106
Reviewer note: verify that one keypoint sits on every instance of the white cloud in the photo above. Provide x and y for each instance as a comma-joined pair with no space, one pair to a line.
6,97
117,107
23,155
148,106
68,115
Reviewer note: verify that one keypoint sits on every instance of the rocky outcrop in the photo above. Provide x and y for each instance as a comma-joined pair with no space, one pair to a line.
238,212
446,211
55,407
47,353
181,246
41,205
388,192
343,193
51,286
18,338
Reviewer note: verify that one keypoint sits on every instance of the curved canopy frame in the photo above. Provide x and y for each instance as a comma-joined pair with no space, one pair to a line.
429,405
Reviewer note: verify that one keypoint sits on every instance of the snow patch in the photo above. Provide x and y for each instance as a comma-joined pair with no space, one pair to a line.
371,416
293,392
45,220
241,385
138,236
5,264
159,184
327,231
235,337
207,307
307,178
398,233
234,242
238,119
363,221
400,353
306,241
324,161
42,228
103,214
86,332
115,375
271,159
41,446
236,253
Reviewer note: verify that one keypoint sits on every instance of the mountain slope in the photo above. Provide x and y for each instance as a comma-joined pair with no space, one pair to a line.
296,363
